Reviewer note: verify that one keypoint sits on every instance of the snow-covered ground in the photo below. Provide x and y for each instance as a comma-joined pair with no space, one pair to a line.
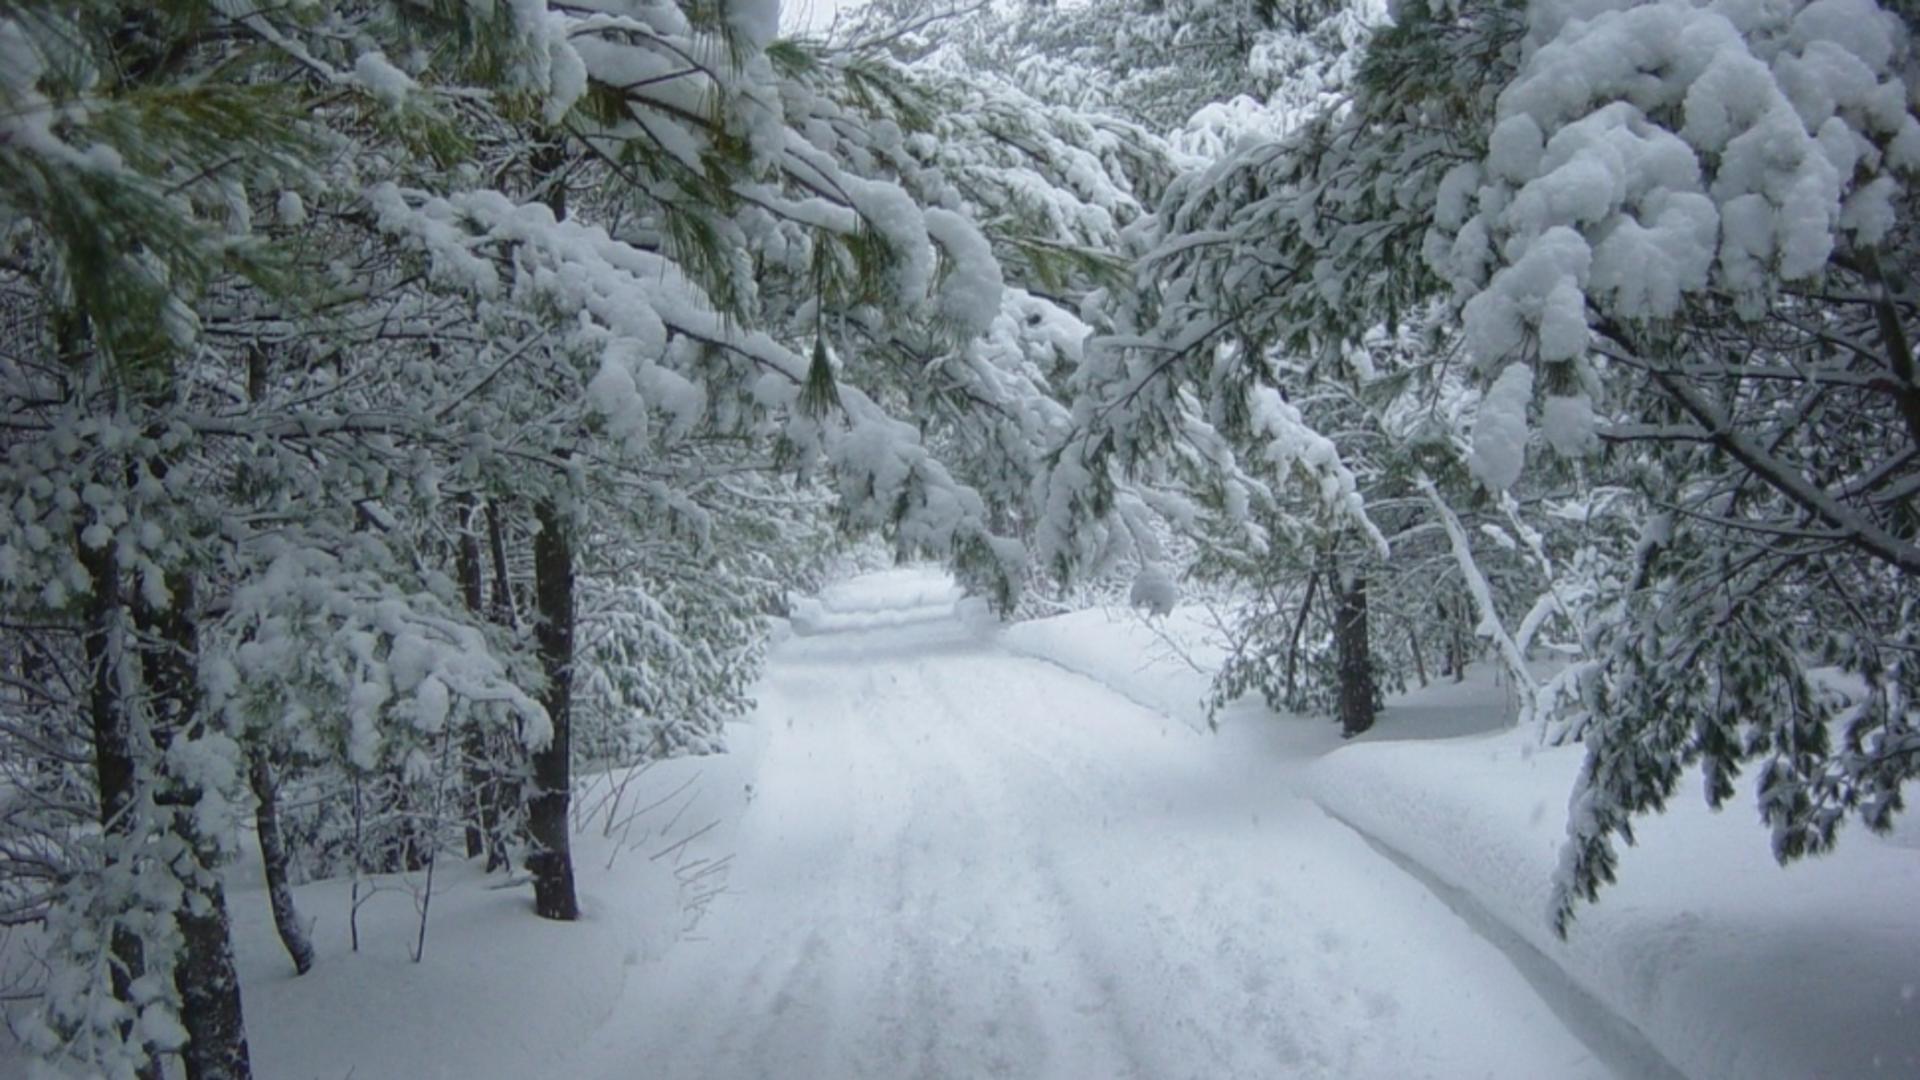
1705,957
1731,966
962,862
943,851
499,992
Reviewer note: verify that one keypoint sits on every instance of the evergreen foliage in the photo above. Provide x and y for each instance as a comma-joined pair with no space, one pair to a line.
409,399
404,403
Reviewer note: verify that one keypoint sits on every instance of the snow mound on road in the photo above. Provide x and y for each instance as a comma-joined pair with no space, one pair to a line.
892,590
901,597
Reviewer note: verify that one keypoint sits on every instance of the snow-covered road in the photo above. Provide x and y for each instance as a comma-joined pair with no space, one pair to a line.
957,862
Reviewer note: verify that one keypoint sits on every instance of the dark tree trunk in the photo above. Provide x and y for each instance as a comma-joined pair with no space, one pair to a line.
273,861
103,640
1293,643
1457,643
266,793
498,795
258,367
1453,659
467,560
209,986
112,754
1358,700
547,811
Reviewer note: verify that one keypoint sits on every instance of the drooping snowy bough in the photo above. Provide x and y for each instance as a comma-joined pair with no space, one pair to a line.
1696,217
407,397
1632,283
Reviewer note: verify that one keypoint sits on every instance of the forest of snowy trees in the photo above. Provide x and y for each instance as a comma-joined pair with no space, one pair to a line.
410,403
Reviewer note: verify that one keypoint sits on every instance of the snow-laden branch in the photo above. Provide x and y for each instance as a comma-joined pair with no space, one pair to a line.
1489,626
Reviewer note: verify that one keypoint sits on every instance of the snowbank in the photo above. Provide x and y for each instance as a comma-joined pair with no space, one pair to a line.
898,597
1730,966
1163,664
500,992
1725,964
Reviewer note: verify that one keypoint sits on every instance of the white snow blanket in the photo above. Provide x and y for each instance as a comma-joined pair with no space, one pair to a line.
1731,966
1706,958
930,855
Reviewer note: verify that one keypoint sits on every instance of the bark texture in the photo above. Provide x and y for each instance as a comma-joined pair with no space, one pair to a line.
273,861
204,975
547,811
113,770
1358,698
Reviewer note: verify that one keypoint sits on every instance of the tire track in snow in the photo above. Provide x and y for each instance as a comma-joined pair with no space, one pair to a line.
983,929
1164,951
1090,992
1287,1003
963,863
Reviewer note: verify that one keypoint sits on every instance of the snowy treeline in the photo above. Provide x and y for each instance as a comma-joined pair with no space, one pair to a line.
407,402
1581,331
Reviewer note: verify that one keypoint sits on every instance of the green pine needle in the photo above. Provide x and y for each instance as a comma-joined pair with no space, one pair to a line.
820,394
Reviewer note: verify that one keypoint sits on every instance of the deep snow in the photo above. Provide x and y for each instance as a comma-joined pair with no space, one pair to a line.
1705,957
968,863
943,849
961,862
1732,966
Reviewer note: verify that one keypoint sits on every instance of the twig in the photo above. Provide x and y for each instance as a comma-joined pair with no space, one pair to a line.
679,846
433,841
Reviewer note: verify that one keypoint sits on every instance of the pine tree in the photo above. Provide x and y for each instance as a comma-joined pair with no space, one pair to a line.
1627,281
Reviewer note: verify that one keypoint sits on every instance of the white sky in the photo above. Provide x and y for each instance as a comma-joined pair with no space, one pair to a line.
810,14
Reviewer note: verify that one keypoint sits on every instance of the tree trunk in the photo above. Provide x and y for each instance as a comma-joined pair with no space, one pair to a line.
467,559
498,799
473,741
1293,643
112,754
1453,659
547,812
501,795
1358,700
273,860
502,611
208,985
103,640
1459,645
